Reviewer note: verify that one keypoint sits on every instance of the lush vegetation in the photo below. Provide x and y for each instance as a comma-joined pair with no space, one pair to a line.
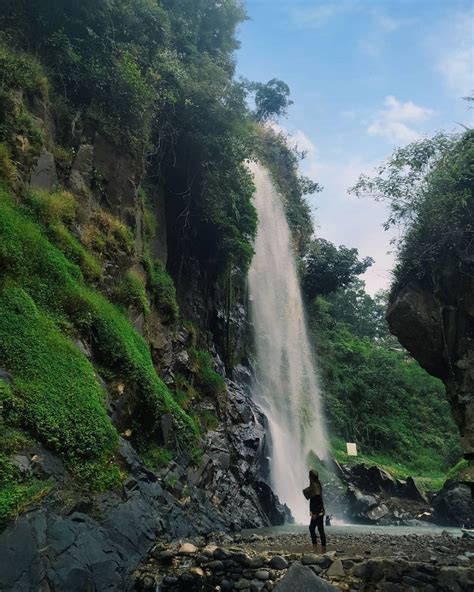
157,78
429,188
55,394
375,394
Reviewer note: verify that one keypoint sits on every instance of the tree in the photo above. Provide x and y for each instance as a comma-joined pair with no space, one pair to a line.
327,268
271,99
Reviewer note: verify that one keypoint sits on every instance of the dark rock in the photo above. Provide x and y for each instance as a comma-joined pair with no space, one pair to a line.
411,491
302,579
43,174
278,562
453,505
433,319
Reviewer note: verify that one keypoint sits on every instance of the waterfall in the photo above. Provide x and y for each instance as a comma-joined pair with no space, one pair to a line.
286,385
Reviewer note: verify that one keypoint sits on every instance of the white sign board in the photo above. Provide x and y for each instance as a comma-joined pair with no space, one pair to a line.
351,448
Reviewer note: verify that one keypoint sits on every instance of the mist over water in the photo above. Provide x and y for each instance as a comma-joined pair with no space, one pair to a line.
286,385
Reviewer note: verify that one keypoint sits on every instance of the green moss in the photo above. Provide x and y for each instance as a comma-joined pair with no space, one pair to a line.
162,288
98,476
209,382
15,497
130,292
75,251
119,346
55,391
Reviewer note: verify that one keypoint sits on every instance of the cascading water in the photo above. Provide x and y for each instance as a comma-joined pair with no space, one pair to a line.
286,386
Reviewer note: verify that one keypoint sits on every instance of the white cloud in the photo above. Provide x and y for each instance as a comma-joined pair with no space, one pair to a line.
455,61
317,16
392,122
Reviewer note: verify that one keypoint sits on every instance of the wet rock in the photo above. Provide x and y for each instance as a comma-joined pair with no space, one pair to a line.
262,574
412,491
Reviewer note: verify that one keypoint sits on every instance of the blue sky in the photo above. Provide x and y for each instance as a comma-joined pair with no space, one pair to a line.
365,76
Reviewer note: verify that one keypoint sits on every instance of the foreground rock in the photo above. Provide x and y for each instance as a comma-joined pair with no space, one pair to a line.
302,579
282,563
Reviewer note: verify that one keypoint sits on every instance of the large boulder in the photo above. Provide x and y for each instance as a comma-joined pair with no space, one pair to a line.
433,320
302,579
453,505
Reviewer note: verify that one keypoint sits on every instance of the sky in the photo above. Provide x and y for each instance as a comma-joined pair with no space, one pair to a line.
365,76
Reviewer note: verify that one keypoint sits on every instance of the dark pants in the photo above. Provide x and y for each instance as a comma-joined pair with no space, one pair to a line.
317,522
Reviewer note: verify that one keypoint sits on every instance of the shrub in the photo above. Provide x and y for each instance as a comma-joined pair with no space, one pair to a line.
22,71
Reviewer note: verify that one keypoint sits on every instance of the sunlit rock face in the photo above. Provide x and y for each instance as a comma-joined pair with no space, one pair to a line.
286,386
437,328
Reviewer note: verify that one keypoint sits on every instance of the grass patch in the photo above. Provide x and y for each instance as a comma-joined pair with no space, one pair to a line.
156,457
208,380
130,292
427,480
7,168
208,420
107,236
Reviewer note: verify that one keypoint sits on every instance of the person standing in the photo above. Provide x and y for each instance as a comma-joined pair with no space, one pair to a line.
314,493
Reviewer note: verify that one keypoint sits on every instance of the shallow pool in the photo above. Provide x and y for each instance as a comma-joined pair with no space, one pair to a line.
343,528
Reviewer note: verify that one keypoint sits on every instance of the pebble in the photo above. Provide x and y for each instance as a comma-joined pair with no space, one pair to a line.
187,549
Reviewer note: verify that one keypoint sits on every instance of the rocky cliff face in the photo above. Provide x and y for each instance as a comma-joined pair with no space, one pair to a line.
74,540
435,322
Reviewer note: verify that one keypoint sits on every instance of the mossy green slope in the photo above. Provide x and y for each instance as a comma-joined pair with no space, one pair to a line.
56,395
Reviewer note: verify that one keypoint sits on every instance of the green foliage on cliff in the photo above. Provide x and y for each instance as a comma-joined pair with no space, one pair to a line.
429,187
209,382
162,288
56,394
274,151
375,394
155,77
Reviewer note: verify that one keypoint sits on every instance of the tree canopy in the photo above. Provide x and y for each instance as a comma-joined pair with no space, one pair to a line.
327,267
